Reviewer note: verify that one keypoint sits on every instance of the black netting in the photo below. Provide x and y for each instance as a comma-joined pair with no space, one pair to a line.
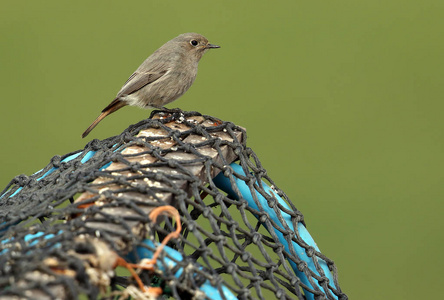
65,229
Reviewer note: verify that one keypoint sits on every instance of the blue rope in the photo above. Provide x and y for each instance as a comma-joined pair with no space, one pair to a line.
224,184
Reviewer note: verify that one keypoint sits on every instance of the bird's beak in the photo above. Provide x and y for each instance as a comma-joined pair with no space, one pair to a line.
211,46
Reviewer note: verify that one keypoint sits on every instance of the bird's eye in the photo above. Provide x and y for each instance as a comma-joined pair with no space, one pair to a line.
194,42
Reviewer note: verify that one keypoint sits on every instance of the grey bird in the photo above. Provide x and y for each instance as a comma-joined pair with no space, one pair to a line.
162,78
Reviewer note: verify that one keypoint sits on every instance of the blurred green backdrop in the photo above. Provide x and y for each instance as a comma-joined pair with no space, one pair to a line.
342,102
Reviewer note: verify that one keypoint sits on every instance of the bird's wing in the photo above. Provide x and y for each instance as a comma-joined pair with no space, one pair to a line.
138,80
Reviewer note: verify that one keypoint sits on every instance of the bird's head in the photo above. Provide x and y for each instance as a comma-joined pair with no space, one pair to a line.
194,44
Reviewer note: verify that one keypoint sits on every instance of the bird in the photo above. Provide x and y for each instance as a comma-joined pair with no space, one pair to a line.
162,78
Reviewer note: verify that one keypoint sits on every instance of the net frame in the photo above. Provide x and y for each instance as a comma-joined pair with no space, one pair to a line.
66,227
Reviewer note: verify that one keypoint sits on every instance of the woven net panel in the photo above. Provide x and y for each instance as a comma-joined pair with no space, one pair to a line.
66,228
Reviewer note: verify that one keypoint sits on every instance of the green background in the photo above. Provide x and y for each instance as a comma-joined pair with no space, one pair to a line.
343,103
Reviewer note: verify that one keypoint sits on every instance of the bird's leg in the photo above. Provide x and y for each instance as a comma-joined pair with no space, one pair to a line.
171,110
163,110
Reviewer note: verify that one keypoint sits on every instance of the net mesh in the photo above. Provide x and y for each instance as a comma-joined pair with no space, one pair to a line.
65,229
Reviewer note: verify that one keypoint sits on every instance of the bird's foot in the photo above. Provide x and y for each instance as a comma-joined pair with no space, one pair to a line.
171,110
168,111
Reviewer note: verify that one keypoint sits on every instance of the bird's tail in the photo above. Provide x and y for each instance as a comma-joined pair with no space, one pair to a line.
112,107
